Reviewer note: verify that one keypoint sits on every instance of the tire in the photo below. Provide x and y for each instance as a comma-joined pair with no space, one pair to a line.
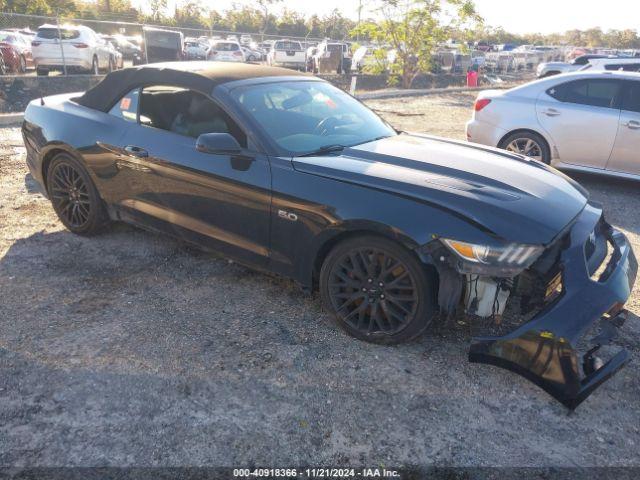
74,197
528,143
42,72
377,290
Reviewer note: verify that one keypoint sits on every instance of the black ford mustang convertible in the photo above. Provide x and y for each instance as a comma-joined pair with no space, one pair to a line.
284,172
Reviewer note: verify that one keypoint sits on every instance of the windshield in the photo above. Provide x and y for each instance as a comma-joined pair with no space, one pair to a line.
8,38
304,116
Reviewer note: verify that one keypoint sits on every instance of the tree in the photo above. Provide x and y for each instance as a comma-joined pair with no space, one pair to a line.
414,28
264,6
157,7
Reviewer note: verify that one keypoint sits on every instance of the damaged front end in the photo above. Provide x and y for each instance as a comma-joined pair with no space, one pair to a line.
569,300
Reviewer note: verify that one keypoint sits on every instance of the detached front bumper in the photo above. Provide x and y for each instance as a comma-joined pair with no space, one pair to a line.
543,350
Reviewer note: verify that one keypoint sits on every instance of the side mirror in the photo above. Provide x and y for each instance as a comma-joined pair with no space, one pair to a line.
218,143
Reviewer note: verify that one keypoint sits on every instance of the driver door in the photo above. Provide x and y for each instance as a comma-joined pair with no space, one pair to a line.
221,202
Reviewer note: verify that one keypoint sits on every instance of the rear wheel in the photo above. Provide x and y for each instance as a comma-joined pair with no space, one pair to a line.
74,197
377,290
529,144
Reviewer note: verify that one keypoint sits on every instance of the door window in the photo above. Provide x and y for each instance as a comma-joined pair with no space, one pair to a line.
127,107
593,92
631,98
185,112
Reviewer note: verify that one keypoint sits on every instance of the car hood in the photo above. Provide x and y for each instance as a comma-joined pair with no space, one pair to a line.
515,198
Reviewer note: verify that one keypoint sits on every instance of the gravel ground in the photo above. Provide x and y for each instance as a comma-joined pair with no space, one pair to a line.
132,349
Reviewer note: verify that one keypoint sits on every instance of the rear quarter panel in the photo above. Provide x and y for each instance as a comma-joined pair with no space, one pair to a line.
62,125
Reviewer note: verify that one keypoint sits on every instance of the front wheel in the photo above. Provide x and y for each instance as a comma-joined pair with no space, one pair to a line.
377,290
74,197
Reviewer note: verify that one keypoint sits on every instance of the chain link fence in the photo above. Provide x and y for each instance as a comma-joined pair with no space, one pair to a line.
128,38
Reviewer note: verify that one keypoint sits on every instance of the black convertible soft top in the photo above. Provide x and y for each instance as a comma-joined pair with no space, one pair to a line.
199,76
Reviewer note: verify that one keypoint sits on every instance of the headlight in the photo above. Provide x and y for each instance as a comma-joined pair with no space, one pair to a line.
504,260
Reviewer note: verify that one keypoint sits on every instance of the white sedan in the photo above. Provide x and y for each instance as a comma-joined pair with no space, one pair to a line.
576,121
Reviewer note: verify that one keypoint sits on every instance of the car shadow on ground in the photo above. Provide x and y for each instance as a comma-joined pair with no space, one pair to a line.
31,185
134,337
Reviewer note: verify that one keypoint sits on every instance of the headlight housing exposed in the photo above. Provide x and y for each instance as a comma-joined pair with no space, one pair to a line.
500,260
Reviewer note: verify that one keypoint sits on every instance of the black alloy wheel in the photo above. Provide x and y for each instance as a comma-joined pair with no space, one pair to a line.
377,290
74,197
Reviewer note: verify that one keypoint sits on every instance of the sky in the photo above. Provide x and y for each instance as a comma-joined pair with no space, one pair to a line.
518,16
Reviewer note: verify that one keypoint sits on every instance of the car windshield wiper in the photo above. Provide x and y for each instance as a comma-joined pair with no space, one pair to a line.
335,147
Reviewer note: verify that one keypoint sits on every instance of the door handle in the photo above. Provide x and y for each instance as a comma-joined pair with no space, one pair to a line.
551,112
633,125
136,151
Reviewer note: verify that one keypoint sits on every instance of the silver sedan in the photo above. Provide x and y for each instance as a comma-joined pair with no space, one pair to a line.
576,121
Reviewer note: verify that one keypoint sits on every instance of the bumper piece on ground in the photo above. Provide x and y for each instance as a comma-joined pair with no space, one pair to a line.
543,350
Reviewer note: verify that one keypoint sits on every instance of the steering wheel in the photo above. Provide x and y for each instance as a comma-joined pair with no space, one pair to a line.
325,126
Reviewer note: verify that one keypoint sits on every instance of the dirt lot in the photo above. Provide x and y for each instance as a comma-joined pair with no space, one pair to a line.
131,349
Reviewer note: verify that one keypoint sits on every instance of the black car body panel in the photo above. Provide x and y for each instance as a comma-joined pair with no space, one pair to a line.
466,182
283,214
543,350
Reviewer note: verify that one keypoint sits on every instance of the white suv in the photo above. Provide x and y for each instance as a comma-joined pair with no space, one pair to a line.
80,46
631,64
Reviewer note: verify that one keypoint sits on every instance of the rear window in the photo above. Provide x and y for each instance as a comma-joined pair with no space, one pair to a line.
226,47
64,33
287,45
